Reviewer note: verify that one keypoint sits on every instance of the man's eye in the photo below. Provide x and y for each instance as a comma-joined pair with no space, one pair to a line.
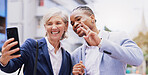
78,19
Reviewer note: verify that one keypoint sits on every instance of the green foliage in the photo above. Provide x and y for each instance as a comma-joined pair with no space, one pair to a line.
142,42
106,29
146,70
129,65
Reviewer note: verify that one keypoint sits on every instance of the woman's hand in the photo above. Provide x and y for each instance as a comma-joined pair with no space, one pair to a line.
78,69
6,52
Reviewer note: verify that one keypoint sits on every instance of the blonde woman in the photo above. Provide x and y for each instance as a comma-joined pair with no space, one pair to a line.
53,59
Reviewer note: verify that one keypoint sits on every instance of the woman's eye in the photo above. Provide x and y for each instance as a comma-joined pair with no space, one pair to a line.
49,24
58,23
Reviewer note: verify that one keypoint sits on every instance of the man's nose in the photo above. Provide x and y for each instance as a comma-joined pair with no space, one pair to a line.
76,24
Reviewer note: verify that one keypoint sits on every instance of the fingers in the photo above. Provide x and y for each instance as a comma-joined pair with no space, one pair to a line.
92,38
14,56
7,55
79,65
81,62
78,68
88,40
13,51
76,26
85,26
80,32
85,31
77,72
8,41
82,67
7,48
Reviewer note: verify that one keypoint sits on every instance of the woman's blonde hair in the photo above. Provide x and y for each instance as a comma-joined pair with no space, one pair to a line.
56,12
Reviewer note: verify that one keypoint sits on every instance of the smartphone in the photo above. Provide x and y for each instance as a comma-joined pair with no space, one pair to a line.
13,33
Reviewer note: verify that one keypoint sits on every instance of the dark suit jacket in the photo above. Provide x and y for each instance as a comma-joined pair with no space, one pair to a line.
44,67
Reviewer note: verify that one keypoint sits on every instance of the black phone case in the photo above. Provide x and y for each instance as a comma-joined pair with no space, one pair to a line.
13,33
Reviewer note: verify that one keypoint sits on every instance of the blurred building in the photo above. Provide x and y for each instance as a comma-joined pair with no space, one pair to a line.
3,13
117,15
27,14
130,16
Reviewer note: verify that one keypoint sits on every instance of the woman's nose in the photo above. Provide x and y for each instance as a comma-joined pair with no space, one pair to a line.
54,27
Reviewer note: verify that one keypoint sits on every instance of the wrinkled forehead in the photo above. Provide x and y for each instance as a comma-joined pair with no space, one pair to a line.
55,18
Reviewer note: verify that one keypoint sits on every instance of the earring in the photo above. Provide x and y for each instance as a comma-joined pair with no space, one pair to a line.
92,21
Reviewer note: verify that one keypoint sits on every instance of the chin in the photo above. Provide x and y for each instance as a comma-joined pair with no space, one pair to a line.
55,38
80,35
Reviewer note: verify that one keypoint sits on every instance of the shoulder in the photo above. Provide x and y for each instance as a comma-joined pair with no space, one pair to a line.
29,43
75,55
120,37
120,34
32,42
76,51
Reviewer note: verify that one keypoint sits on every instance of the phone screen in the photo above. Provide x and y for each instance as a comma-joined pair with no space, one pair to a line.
13,33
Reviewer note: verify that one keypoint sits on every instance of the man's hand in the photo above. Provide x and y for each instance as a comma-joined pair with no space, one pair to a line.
91,37
78,69
6,52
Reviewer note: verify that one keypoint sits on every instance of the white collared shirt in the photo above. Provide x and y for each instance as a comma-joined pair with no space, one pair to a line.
92,59
56,59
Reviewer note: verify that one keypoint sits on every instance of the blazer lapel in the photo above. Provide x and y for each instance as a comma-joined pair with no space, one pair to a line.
83,54
63,65
105,35
44,47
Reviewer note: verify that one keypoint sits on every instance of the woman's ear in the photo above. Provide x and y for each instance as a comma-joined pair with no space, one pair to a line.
45,26
45,30
66,26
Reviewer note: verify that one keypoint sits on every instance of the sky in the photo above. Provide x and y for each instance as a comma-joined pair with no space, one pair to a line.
130,16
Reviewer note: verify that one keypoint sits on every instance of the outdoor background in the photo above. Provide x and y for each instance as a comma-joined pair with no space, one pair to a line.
130,16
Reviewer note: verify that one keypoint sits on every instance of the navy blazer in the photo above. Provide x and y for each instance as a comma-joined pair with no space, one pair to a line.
44,67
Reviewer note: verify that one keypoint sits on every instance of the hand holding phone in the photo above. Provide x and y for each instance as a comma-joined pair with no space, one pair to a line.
13,33
10,49
7,53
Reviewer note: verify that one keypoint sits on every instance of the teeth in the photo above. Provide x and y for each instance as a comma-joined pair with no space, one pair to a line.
54,32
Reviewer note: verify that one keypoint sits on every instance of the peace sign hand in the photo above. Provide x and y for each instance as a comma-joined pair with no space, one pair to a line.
91,37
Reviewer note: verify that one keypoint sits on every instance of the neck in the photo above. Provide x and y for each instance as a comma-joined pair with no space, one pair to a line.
55,44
